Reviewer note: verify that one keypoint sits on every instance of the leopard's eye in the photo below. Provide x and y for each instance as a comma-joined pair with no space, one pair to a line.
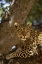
19,30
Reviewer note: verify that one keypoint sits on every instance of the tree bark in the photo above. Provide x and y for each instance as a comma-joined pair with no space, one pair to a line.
20,9
18,12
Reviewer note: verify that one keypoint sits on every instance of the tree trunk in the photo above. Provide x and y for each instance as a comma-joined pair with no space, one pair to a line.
18,12
20,9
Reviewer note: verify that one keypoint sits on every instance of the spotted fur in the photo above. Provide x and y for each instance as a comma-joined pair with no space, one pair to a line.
29,38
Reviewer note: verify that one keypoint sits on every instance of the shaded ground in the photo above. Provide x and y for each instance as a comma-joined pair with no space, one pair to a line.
23,61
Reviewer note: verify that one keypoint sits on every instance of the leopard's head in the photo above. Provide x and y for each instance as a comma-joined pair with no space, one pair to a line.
23,31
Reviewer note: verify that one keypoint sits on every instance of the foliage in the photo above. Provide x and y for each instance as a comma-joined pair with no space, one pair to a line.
8,0
3,8
36,12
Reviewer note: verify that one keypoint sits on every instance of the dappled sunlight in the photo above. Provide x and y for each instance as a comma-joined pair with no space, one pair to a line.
4,7
11,21
12,2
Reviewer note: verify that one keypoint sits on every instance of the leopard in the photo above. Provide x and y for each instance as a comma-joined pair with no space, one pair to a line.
24,31
29,38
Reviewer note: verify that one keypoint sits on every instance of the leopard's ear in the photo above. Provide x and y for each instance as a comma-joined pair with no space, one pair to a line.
16,25
30,24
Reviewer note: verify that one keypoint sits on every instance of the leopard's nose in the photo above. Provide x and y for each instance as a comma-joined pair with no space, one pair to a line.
24,36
